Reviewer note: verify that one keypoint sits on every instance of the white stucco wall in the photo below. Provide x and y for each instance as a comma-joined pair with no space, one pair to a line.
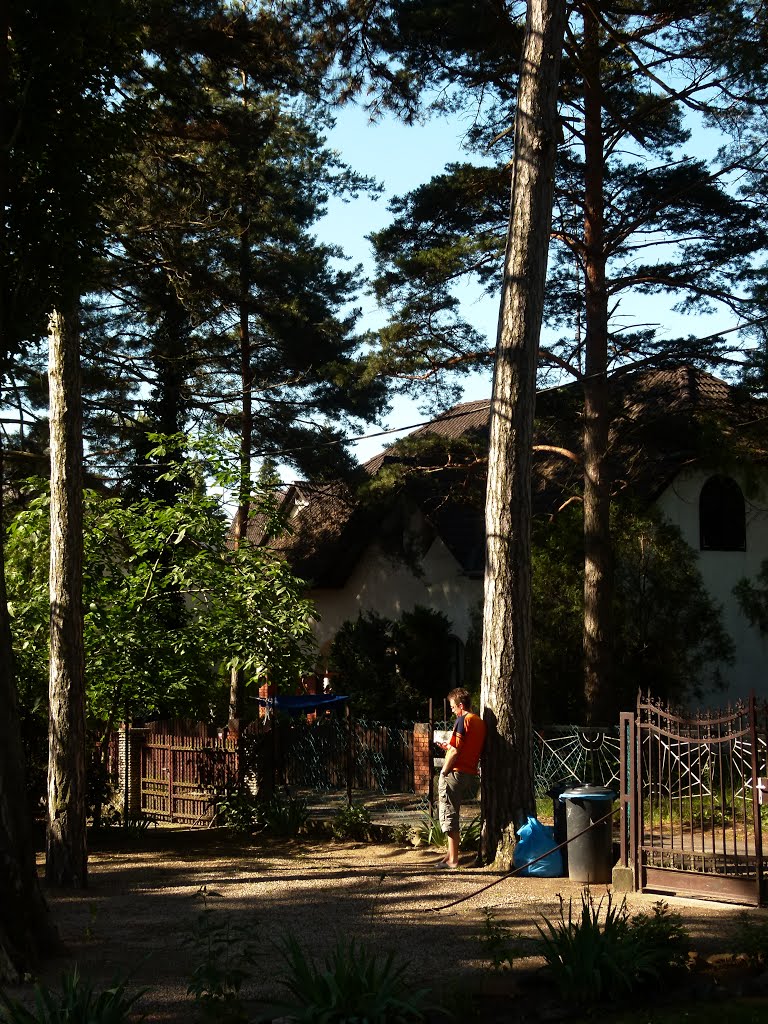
388,587
721,570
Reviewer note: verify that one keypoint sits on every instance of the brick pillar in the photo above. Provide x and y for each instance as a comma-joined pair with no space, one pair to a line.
422,757
129,744
266,690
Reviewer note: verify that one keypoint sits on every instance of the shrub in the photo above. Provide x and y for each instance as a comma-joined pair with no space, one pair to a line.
599,952
283,815
78,1002
353,985
353,822
238,810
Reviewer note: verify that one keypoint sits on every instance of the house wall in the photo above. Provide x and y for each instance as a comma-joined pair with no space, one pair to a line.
387,586
721,570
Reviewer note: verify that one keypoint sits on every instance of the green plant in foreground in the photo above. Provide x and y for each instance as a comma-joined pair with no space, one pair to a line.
77,1003
353,822
226,953
502,946
353,986
598,953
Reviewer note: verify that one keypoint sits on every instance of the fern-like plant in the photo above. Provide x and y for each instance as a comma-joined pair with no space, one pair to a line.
353,985
78,1002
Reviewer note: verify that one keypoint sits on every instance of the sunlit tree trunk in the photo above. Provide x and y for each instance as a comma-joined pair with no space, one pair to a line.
66,856
506,675
598,575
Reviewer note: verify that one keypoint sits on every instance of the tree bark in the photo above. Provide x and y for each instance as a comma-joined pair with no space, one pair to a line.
237,679
66,855
598,574
508,795
27,933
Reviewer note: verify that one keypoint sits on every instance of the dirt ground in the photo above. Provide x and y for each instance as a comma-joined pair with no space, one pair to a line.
145,897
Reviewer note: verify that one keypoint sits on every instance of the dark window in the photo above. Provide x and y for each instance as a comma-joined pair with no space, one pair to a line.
722,521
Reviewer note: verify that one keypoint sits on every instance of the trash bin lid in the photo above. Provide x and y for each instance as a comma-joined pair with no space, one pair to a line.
589,793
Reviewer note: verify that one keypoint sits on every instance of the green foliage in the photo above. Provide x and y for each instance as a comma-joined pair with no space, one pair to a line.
167,604
77,1002
666,626
599,954
500,945
283,815
391,668
401,833
239,811
352,822
751,940
428,832
226,952
354,985
470,834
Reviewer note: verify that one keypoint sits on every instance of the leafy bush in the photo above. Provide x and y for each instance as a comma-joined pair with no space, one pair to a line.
353,822
592,958
402,832
353,985
283,815
239,810
77,1003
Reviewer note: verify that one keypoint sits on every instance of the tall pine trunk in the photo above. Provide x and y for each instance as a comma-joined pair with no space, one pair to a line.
506,675
598,575
26,931
237,680
66,856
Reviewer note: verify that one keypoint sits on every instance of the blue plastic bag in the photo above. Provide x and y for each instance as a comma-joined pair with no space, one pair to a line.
533,840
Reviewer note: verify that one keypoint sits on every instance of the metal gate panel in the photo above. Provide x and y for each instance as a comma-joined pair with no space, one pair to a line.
695,827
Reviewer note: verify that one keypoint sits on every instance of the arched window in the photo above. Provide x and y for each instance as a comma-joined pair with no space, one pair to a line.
722,520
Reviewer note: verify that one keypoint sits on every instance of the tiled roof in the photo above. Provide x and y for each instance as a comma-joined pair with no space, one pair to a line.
655,430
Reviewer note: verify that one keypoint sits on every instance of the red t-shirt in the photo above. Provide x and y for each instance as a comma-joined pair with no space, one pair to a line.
468,738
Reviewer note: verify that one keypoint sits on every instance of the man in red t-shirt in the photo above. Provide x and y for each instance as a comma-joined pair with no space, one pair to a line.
459,770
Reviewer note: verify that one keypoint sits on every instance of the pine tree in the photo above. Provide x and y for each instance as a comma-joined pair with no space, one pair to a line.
634,216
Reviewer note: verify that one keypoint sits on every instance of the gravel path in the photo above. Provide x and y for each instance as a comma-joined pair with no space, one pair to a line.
145,899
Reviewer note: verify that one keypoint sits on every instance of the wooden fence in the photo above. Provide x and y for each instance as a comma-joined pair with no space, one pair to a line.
175,770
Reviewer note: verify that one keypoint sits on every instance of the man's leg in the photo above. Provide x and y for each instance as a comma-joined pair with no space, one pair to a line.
449,791
453,848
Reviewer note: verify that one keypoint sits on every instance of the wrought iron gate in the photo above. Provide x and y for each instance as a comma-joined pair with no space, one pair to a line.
690,801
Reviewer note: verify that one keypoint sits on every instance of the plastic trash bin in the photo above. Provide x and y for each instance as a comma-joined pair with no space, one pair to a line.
559,812
590,855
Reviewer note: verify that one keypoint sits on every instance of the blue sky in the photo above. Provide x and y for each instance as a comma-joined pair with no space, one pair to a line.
401,157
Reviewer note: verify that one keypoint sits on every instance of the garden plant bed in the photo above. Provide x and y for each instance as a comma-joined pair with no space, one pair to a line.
147,893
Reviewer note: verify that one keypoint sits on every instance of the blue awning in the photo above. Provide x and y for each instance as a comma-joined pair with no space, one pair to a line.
302,703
